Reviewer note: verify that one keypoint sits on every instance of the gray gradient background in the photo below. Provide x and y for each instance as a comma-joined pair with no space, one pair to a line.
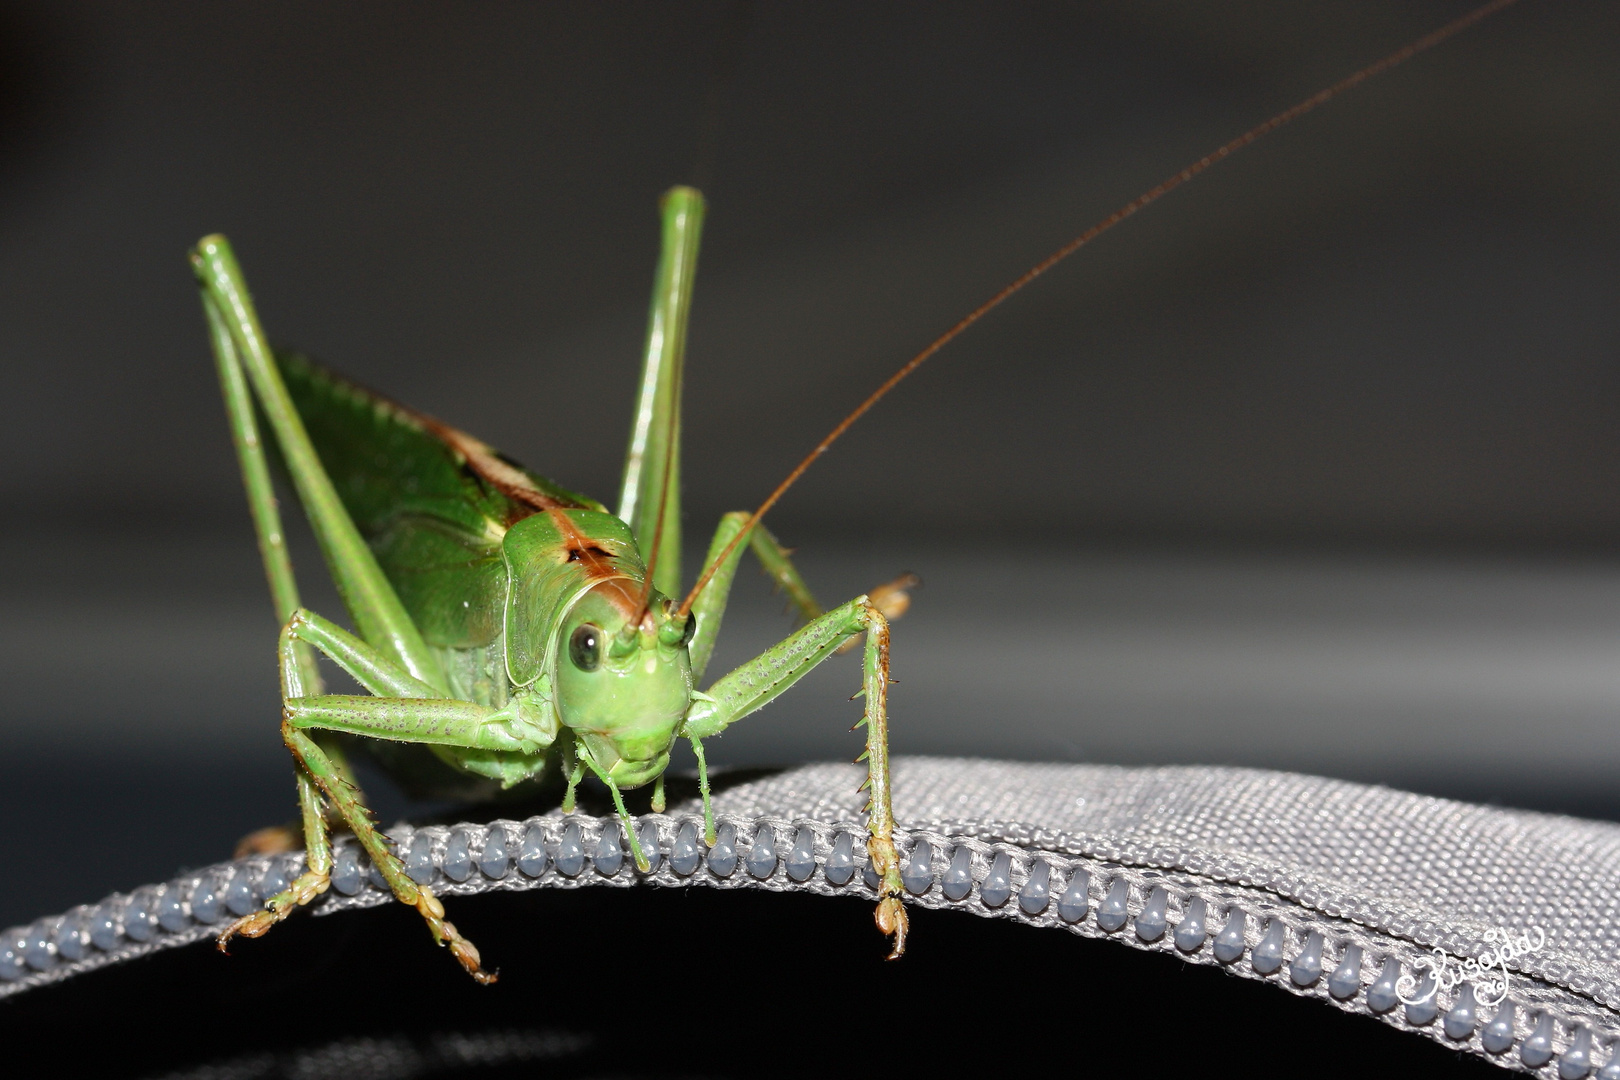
1312,466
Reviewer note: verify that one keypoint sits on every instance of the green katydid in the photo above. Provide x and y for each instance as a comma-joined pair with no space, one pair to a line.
504,624
502,621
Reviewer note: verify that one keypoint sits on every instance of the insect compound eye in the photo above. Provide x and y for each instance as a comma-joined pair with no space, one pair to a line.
585,647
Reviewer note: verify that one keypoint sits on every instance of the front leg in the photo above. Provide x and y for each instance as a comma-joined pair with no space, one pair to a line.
763,678
406,709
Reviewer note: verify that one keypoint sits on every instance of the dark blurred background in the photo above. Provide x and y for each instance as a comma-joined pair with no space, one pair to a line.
1312,466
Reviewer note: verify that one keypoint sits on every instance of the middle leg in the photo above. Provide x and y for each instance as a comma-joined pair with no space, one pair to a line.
890,599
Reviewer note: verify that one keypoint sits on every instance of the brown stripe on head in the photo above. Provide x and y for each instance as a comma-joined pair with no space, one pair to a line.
623,592
601,569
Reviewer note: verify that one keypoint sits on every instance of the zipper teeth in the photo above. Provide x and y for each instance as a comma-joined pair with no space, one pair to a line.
1337,963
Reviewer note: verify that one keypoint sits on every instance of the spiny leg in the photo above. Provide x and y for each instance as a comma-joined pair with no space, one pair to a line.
416,719
883,603
762,679
358,818
891,914
447,722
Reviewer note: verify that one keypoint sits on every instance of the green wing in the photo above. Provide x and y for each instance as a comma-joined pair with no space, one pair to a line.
434,503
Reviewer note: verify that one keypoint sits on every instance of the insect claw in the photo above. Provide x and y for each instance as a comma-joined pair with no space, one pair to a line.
252,926
892,921
466,953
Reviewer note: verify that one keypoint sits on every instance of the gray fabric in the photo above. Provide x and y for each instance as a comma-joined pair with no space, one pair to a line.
1390,873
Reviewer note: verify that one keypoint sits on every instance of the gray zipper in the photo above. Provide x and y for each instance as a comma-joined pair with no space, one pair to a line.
1544,1025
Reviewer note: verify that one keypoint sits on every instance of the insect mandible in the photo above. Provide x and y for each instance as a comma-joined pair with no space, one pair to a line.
504,625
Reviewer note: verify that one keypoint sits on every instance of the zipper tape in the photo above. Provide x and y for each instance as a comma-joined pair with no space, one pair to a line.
1251,933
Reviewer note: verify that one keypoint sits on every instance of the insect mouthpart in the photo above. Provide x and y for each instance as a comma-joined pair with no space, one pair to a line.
630,774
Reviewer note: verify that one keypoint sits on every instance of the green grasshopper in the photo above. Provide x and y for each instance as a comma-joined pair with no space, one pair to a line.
503,623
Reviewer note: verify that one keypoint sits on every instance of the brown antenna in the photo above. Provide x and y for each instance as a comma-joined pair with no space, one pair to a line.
1152,195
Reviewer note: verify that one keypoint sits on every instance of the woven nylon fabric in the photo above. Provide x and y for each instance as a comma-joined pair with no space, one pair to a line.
1302,862
1431,871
